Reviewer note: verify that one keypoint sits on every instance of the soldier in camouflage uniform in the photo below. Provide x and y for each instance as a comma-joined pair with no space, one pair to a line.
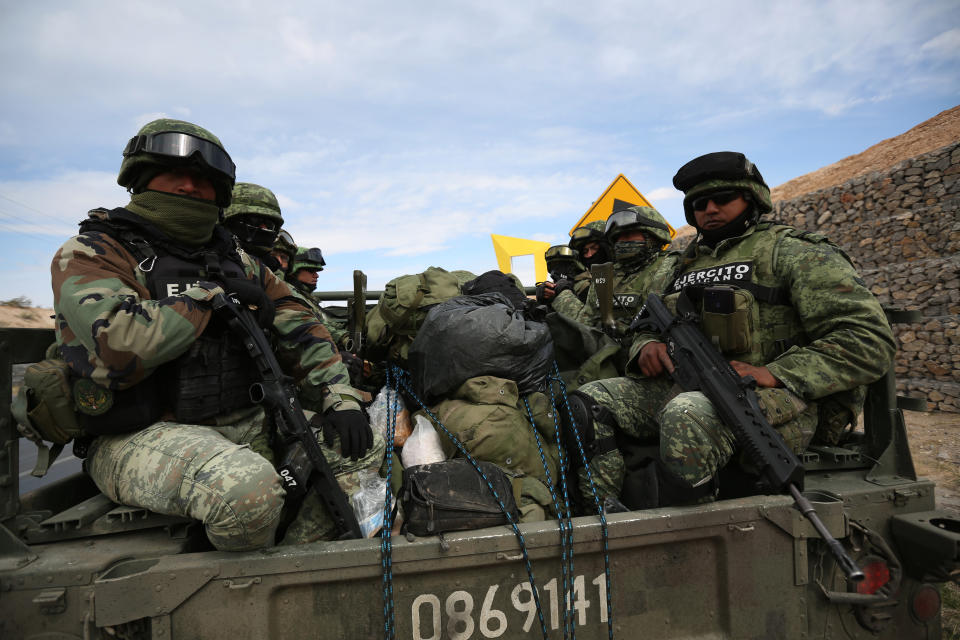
160,384
566,270
637,235
284,250
786,306
592,247
255,219
306,265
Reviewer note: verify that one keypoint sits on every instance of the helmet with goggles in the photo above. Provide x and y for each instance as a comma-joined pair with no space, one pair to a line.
166,144
563,262
638,218
721,176
308,259
254,217
591,232
285,244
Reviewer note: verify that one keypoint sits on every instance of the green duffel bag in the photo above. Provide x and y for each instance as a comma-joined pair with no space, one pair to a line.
403,305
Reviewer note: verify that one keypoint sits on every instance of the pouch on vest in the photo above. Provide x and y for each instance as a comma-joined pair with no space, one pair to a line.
728,318
212,378
451,496
45,406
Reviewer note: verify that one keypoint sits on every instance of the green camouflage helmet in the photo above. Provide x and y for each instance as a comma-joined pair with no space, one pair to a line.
646,219
254,217
308,259
285,244
253,200
167,144
590,232
720,171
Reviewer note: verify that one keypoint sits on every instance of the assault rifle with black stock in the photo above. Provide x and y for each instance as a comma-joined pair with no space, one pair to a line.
304,466
699,366
602,275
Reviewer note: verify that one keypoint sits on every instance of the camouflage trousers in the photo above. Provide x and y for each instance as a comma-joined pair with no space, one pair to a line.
694,444
222,475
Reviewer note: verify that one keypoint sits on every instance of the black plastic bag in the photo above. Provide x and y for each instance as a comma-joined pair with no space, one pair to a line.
482,335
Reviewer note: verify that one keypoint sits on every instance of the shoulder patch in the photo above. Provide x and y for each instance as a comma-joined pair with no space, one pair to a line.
91,398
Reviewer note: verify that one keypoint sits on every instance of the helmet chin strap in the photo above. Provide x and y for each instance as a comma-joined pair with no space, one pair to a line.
736,227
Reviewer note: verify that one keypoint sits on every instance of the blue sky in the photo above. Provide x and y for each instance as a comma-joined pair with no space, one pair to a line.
401,135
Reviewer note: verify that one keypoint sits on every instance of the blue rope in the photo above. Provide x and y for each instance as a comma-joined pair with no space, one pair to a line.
386,547
596,499
563,515
401,376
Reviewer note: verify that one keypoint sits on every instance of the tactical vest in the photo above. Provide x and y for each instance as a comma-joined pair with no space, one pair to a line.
746,310
214,376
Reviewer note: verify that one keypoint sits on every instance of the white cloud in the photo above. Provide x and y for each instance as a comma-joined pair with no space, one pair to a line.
663,193
945,45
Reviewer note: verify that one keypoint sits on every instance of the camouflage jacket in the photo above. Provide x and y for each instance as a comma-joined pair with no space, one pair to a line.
111,330
630,289
336,329
814,323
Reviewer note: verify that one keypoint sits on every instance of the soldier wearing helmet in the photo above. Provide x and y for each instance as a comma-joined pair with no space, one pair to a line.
284,250
566,272
638,236
784,306
161,388
254,218
304,270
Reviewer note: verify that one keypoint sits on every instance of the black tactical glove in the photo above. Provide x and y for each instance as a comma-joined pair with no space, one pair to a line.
353,364
541,294
563,284
356,437
249,293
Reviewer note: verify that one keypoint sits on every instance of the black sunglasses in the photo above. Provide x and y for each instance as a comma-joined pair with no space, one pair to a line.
719,198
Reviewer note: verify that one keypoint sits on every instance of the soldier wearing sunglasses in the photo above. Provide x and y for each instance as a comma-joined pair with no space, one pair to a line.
784,306
160,385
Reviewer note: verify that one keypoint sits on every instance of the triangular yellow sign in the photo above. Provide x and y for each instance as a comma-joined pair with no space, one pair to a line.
619,189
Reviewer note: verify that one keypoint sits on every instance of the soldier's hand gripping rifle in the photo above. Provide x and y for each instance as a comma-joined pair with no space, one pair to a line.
602,275
304,466
699,366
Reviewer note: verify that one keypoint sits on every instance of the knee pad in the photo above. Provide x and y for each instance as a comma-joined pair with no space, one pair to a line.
585,411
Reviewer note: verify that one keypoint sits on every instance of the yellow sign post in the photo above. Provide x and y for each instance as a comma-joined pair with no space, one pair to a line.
508,248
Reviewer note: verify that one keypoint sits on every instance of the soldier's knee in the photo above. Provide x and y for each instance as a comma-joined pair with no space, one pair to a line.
246,510
588,427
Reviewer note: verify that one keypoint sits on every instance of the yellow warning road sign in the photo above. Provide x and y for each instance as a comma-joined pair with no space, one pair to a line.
619,189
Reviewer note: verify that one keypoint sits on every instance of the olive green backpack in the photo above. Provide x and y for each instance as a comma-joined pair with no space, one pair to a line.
392,324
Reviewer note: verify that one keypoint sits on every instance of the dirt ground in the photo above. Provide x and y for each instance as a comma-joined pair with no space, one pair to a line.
15,316
935,444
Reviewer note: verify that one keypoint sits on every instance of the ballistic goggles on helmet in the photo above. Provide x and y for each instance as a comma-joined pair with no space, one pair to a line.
315,255
284,238
585,234
175,144
561,251
623,219
719,198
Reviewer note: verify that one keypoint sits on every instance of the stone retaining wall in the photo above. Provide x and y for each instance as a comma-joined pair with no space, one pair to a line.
902,229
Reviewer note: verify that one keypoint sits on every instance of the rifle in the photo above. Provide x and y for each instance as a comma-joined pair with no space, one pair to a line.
358,313
699,366
304,466
602,275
